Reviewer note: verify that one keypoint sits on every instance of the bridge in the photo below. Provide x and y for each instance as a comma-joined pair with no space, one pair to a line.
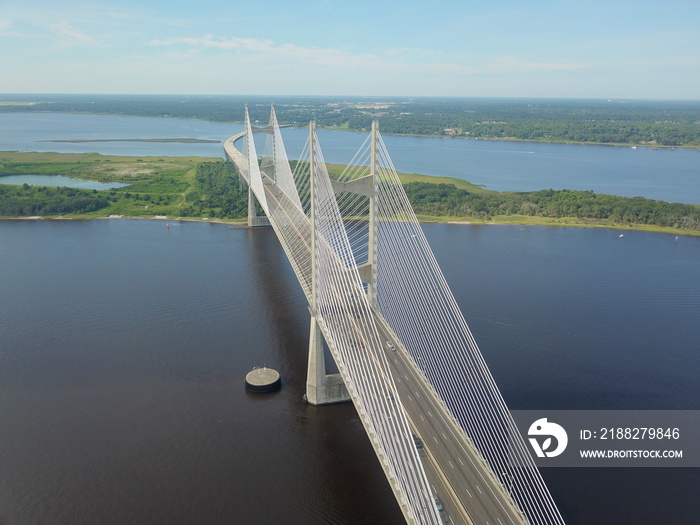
405,356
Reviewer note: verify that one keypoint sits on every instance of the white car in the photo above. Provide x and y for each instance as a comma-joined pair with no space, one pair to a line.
390,346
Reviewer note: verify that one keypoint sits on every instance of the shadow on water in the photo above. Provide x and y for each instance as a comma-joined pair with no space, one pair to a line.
331,438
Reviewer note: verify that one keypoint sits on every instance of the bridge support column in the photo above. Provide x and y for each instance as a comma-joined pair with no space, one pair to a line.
372,242
322,388
251,207
255,220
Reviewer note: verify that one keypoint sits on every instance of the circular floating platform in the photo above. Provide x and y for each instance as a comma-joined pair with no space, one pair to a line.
262,380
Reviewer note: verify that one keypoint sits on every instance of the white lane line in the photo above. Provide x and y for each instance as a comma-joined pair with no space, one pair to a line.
451,465
477,488
460,461
421,417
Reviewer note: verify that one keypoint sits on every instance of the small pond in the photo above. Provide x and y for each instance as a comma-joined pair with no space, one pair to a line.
59,180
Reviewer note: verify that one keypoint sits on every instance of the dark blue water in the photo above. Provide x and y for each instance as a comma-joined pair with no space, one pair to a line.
125,344
664,174
123,353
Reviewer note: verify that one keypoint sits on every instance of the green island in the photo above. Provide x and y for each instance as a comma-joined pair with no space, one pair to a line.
209,189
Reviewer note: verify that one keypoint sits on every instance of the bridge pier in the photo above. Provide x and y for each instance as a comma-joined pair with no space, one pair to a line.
255,220
322,388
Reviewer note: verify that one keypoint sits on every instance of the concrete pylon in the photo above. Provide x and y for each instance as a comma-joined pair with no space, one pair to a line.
255,220
321,388
371,279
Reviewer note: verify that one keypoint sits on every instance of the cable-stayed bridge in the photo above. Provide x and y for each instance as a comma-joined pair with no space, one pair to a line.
405,355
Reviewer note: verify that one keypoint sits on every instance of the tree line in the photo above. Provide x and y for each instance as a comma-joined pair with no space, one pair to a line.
28,201
447,201
662,123
216,192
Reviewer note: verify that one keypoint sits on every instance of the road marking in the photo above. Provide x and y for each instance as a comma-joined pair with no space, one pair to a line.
477,488
421,417
444,436
409,398
470,494
460,461
499,520
417,394
436,441
451,465
430,413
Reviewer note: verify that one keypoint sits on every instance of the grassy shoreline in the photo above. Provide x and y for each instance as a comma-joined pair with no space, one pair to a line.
509,220
160,187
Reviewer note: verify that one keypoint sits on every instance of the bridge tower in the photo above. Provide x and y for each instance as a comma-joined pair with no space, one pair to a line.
368,271
321,388
254,220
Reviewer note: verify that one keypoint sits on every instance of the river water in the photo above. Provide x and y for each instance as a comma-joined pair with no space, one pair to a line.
664,174
125,344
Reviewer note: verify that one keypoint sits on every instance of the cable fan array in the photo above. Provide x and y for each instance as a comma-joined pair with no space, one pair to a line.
416,301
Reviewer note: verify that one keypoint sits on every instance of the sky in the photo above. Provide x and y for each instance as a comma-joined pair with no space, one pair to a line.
493,48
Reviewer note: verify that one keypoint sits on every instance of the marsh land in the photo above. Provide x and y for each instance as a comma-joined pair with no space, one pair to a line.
199,188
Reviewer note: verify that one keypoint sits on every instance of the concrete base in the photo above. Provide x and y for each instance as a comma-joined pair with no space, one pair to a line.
262,380
322,388
332,390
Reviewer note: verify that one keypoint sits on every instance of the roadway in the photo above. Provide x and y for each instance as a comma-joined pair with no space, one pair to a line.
459,477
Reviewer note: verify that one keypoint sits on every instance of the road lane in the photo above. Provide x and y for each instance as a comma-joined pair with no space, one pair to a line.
463,483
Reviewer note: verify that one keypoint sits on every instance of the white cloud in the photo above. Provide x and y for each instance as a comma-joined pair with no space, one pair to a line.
393,61
503,64
208,41
69,36
5,30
